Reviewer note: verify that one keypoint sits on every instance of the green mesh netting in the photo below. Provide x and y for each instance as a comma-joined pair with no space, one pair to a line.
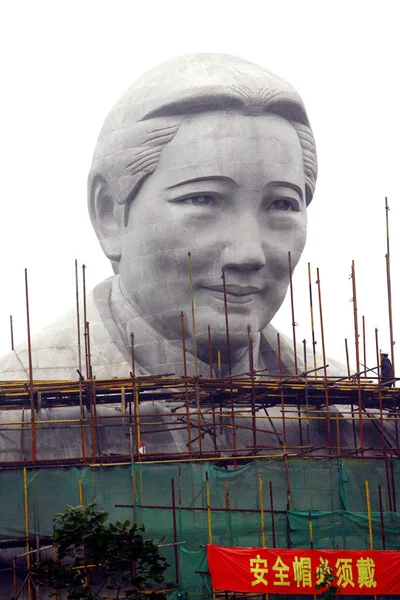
330,492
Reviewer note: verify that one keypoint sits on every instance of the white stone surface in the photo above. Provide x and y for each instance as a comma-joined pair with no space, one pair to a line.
209,154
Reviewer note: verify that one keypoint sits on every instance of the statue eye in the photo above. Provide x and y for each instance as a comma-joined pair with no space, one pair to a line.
200,201
282,204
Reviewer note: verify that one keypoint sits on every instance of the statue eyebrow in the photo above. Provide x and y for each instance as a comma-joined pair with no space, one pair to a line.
206,178
287,184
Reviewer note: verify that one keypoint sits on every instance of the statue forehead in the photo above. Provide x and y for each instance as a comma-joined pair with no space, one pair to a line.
206,76
215,124
216,144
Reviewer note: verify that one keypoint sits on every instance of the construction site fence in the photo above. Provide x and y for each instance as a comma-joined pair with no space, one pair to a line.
275,502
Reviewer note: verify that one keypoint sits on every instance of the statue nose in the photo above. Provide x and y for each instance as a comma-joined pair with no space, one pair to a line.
246,256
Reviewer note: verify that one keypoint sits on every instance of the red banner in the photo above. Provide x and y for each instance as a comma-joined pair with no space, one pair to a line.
276,571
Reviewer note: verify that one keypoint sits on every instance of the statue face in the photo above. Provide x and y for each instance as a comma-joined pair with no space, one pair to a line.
230,188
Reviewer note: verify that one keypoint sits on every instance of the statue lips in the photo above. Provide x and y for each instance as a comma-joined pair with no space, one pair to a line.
237,294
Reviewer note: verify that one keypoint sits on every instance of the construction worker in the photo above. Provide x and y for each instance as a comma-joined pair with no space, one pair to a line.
386,370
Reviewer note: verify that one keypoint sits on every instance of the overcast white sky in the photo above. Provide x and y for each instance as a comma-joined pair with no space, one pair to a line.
64,63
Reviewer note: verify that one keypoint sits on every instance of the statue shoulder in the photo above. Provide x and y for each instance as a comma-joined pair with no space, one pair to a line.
55,351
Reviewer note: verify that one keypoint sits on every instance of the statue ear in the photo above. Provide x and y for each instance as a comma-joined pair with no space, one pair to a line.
105,215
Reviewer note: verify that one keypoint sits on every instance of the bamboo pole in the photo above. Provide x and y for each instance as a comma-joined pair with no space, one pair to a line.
293,319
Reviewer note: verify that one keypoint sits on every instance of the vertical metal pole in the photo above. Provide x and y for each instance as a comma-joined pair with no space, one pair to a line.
229,363
357,347
89,355
196,370
175,533
228,515
262,510
208,509
183,344
251,368
371,545
293,319
26,508
12,333
364,345
210,358
321,320
133,472
382,519
306,396
227,497
186,384
271,499
310,529
347,357
282,395
85,320
31,393
355,315
78,325
228,344
135,399
80,490
384,450
14,561
393,486
338,436
82,417
312,320
389,286
96,448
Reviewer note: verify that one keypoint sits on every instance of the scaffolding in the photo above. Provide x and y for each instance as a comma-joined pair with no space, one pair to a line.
253,459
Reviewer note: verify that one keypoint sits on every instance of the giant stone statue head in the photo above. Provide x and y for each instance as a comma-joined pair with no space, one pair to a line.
211,154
